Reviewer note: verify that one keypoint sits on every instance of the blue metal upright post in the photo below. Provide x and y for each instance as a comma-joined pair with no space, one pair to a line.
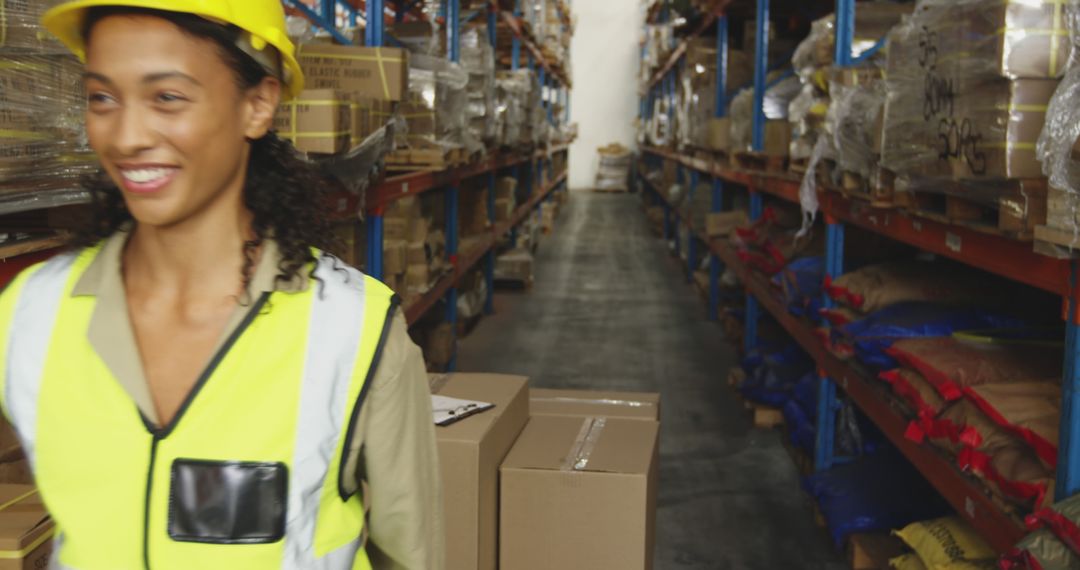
453,29
451,256
516,174
328,10
373,33
1068,465
827,404
400,8
715,267
515,44
493,27
721,66
761,65
489,268
753,309
691,240
374,230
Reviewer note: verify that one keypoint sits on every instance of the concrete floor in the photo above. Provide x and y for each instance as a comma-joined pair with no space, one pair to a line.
610,309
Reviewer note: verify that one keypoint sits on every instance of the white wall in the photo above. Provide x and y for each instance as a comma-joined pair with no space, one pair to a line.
604,100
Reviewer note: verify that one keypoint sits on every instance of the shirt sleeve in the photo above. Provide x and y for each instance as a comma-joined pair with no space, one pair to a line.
399,462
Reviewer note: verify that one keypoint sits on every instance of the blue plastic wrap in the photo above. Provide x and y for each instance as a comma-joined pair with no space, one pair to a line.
801,284
877,332
874,493
772,371
801,428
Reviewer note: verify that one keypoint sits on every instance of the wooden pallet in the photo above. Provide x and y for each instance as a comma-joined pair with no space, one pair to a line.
758,162
1014,212
799,166
1062,243
878,191
418,159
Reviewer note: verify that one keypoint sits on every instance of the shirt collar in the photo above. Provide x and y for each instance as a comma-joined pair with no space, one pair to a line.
105,271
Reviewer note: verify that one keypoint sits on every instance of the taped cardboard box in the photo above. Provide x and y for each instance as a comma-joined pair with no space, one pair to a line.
777,138
368,116
580,493
584,403
995,128
380,73
470,453
319,121
26,531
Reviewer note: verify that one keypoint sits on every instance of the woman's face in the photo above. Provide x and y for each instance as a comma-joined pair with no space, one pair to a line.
168,120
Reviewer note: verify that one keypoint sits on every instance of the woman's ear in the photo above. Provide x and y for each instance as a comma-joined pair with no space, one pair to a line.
262,103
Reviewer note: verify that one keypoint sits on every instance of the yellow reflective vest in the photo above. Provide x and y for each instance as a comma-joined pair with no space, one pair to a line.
250,472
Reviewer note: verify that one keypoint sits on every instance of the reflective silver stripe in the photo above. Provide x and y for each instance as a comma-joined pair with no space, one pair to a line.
337,322
32,327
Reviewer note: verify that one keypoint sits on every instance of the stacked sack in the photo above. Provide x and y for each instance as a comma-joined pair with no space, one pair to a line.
1053,542
774,240
979,384
613,171
947,543
968,83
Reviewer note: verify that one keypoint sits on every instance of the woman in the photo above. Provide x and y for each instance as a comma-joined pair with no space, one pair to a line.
198,386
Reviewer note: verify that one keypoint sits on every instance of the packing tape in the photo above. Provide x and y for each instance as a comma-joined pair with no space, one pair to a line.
1054,41
21,553
1016,108
598,401
28,135
584,444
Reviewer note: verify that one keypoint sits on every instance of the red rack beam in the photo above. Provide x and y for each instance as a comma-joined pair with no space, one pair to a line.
1009,258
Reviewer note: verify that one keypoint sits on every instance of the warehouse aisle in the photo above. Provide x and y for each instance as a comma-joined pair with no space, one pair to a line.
609,311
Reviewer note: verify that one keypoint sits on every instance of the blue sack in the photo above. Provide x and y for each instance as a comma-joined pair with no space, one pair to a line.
874,493
878,331
800,282
772,371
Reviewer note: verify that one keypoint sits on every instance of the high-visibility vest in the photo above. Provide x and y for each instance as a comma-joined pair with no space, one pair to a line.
250,472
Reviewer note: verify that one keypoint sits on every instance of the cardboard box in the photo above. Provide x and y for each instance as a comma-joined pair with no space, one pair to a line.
873,551
505,188
394,256
418,230
319,121
470,453
777,138
514,265
722,224
438,350
418,277
380,73
420,117
580,493
395,227
416,254
25,527
584,403
719,134
995,127
504,209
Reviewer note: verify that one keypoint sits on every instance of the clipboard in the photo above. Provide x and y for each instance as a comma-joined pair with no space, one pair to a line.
446,410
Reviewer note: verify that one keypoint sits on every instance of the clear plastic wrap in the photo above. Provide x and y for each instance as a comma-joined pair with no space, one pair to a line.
613,169
514,107
873,20
855,112
779,96
1060,133
478,58
968,87
435,109
741,114
806,113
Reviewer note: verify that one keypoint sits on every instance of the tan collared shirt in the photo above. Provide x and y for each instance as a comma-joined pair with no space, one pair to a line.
393,447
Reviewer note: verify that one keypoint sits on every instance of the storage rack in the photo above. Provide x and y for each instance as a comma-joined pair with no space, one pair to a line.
533,168
538,176
999,255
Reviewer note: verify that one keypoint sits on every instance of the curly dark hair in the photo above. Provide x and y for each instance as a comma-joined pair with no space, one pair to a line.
283,190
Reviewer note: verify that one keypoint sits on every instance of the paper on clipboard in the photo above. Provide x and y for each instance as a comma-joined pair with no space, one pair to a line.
446,410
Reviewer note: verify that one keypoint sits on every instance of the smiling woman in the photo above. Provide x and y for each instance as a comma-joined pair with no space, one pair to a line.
199,329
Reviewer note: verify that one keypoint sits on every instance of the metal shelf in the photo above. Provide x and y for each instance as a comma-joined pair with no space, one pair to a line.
680,50
1008,258
415,183
417,309
553,68
963,492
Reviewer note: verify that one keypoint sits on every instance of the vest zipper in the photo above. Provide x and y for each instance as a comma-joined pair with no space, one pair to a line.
146,506
162,432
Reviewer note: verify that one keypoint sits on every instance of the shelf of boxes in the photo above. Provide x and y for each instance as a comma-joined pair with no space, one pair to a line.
992,252
554,69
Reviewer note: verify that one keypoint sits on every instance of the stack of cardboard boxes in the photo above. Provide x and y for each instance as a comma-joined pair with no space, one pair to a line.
350,94
968,85
413,254
548,478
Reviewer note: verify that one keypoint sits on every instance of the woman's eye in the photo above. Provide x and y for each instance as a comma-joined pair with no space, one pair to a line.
170,98
99,98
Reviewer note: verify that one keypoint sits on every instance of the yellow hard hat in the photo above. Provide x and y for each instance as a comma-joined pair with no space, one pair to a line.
263,20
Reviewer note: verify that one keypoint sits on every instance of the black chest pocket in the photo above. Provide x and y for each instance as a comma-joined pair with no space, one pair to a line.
218,502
